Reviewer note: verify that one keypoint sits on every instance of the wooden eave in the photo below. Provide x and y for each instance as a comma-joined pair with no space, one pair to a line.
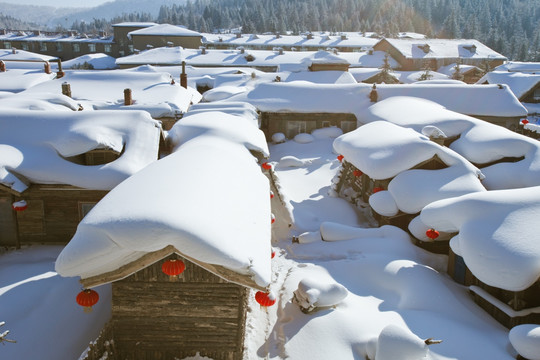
530,91
151,258
9,190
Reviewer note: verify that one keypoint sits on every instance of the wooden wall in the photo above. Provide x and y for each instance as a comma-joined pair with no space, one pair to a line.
291,124
155,318
53,213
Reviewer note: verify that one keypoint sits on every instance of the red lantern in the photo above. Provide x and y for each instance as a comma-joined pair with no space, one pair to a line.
273,219
357,173
377,189
173,268
266,166
87,298
271,194
273,254
524,121
340,158
19,205
265,299
432,234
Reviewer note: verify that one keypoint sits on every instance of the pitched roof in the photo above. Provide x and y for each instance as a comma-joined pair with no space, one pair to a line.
164,30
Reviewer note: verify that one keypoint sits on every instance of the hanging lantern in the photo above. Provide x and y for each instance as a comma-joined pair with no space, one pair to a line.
357,173
432,234
266,166
265,299
173,268
87,298
271,194
340,158
273,219
377,189
273,254
524,121
19,205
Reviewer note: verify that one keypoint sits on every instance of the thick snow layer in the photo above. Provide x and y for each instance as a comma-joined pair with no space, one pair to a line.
526,340
219,124
211,203
312,294
151,90
163,30
222,92
17,80
396,342
322,77
39,101
98,61
479,141
34,145
520,83
305,97
9,55
496,238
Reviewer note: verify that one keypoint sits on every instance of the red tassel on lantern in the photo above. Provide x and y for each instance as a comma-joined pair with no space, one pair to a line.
357,173
87,298
377,189
266,166
432,234
19,205
265,299
340,158
173,268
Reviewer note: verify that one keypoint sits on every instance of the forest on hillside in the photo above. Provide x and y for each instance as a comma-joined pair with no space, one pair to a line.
510,27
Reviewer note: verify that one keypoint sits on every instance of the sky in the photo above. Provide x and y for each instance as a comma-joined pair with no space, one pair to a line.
58,3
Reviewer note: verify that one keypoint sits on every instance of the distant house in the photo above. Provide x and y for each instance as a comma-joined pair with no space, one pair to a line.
471,74
60,164
526,86
413,54
225,245
123,40
165,35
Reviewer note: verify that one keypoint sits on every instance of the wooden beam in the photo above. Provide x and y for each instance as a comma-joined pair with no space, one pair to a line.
150,258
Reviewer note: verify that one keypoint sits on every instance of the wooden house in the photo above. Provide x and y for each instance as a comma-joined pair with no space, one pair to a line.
293,123
165,35
59,182
155,316
526,86
224,246
414,54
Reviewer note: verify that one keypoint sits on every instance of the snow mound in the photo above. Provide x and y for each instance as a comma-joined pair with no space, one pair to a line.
291,161
329,132
222,92
279,138
313,293
526,340
396,342
304,138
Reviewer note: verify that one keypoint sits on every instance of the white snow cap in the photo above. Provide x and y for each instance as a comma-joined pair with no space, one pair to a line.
208,199
497,238
396,342
526,340
35,145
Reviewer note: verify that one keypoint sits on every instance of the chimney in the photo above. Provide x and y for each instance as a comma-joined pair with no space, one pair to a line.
47,67
238,35
66,89
3,32
183,76
127,97
309,36
343,37
37,32
203,50
241,49
2,66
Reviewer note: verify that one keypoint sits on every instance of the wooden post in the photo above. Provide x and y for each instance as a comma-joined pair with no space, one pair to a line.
127,97
2,66
66,89
183,76
47,67
60,73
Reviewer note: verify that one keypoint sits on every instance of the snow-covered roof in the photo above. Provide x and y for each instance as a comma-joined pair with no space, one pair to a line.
261,58
163,30
55,37
38,101
322,77
444,48
479,141
518,66
35,145
449,70
17,80
152,90
312,41
410,77
134,24
211,205
497,238
22,55
520,83
383,150
304,97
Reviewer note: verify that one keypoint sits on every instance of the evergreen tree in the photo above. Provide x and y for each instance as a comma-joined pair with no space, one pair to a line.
426,75
458,75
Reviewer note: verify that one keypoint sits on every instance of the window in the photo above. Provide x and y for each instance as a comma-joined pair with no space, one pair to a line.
130,48
59,47
76,48
7,45
348,125
92,47
108,48
24,46
84,208
295,127
43,46
536,95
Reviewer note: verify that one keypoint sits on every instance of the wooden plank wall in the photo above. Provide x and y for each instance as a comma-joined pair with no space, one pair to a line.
53,213
272,123
156,318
